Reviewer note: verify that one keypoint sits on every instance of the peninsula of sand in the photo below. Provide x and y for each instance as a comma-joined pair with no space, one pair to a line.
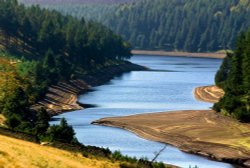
202,132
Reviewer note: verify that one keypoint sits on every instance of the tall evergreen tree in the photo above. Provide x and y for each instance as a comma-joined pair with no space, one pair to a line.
236,100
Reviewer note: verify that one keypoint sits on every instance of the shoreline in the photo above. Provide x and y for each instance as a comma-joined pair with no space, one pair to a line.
179,54
201,132
188,130
63,97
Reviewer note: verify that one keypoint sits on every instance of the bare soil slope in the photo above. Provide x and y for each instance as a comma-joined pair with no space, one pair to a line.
63,97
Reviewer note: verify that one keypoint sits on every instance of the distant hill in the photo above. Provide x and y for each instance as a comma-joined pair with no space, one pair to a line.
189,25
183,25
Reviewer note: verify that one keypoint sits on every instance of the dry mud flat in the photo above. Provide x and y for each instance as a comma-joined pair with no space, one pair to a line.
202,132
180,54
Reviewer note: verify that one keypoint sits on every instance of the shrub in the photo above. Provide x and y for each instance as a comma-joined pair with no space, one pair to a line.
13,121
62,132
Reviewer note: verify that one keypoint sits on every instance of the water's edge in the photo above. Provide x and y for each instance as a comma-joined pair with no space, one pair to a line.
100,79
63,97
147,134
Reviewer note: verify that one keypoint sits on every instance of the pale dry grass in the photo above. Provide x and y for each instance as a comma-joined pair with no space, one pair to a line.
18,153
2,119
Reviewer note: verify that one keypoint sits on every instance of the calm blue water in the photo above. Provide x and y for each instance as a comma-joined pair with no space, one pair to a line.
169,87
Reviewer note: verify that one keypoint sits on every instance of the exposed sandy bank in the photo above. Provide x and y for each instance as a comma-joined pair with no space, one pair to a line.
182,54
63,97
210,94
202,132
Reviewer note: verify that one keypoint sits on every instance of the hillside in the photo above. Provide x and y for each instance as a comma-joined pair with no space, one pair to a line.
22,154
190,25
41,48
187,25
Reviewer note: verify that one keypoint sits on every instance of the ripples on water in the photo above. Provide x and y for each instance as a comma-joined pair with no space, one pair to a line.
168,87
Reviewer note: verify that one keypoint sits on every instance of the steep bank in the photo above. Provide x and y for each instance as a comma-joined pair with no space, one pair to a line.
210,94
179,54
63,96
201,132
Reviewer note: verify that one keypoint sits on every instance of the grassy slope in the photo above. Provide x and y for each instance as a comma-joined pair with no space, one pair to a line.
19,153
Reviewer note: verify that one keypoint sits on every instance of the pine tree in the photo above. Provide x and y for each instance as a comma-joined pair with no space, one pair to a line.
222,75
236,100
42,123
246,64
235,77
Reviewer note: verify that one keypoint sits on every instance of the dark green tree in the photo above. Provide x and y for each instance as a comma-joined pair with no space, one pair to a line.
233,76
62,132
42,121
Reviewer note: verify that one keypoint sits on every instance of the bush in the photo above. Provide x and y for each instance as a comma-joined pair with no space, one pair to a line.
128,165
13,121
242,114
158,165
42,121
62,132
117,155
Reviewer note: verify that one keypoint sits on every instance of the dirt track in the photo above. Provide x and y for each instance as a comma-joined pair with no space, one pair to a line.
180,54
202,132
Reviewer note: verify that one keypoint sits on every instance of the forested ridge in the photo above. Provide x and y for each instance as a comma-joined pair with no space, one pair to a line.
234,78
190,25
185,25
39,48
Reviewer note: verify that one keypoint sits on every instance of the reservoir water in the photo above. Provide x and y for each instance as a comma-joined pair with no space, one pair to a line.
168,87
